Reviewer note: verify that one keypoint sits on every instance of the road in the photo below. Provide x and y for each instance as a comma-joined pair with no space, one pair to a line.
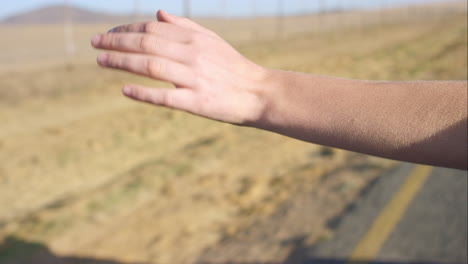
415,214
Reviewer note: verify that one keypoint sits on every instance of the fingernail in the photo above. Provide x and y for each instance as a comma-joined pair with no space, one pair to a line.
96,40
112,30
127,90
102,58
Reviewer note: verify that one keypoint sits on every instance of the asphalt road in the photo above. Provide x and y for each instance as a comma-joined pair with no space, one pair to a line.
415,214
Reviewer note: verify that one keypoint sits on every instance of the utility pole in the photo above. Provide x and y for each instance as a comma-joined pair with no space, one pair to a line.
254,8
341,13
363,13
323,13
409,9
382,9
305,7
70,48
224,8
280,20
137,9
322,6
187,8
253,19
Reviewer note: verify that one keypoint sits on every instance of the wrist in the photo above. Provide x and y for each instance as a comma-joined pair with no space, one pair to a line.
273,96
265,86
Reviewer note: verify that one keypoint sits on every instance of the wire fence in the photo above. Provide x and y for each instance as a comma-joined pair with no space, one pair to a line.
241,21
327,14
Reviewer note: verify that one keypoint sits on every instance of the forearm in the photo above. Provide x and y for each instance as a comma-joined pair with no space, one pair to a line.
422,122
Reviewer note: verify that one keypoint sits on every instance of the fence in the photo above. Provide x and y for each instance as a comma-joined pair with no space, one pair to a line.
328,14
239,21
320,15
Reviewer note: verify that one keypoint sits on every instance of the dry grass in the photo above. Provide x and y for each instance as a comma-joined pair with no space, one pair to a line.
89,173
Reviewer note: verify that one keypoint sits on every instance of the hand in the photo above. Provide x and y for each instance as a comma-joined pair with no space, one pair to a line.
212,79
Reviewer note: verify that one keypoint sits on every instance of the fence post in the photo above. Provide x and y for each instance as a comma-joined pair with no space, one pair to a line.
224,8
137,11
187,8
280,20
305,7
323,13
342,13
70,47
255,32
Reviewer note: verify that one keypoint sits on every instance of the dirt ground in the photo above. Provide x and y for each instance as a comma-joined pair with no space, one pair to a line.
87,175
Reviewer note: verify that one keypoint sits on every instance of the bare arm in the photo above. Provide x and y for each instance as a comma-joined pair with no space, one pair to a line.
423,122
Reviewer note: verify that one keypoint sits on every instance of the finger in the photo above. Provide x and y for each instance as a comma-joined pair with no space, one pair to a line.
136,27
166,30
154,67
164,16
142,43
182,99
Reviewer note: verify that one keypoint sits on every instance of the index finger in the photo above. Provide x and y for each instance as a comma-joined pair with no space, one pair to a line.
169,31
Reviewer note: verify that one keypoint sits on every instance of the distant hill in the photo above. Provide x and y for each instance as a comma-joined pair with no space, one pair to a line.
56,15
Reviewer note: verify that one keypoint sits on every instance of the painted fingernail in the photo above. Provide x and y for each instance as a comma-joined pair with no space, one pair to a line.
112,30
96,40
103,58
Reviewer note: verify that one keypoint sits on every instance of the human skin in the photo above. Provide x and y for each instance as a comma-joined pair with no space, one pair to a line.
421,122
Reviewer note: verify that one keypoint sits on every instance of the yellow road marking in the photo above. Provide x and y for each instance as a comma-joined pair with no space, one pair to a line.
372,242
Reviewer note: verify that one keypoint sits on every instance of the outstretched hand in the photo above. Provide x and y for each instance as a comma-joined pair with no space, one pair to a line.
421,122
211,78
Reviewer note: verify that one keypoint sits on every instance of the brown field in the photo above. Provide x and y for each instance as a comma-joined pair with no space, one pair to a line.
87,173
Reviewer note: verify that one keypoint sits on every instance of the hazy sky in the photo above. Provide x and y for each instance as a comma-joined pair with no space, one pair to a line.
203,7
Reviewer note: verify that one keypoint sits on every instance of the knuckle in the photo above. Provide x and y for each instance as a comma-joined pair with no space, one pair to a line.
146,43
155,68
114,41
132,92
199,40
196,54
105,40
114,61
194,39
103,43
151,27
110,60
164,99
140,94
137,93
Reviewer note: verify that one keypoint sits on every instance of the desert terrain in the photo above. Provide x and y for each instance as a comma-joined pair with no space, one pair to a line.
87,173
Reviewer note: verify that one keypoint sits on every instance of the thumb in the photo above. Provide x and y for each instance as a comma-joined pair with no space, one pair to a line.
164,16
